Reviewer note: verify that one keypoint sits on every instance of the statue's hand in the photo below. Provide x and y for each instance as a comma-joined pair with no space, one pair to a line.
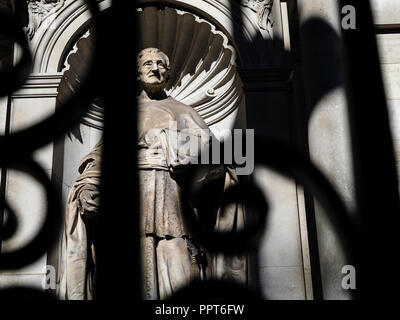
88,201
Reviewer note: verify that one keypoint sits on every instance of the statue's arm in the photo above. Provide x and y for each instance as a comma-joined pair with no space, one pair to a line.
89,200
89,193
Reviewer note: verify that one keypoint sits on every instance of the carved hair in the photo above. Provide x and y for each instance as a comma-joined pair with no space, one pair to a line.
152,50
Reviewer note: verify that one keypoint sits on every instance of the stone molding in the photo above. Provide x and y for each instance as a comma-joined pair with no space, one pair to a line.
266,79
39,86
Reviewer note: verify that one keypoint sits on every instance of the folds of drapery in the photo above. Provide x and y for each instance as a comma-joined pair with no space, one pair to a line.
234,267
159,149
78,257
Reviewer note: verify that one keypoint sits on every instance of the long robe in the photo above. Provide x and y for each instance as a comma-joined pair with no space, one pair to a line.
160,157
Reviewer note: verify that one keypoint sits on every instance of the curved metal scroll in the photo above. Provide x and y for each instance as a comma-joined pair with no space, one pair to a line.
26,141
17,151
289,163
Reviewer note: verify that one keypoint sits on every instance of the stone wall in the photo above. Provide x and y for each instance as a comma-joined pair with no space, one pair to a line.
329,139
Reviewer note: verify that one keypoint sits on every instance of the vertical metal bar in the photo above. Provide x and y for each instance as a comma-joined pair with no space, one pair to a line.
4,170
300,138
118,238
375,174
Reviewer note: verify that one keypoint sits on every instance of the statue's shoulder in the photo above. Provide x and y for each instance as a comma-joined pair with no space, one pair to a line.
183,110
177,103
181,107
93,157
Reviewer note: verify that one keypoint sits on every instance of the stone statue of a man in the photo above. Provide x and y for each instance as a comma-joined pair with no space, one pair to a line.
171,258
165,238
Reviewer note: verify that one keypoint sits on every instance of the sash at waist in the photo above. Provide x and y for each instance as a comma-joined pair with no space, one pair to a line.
150,160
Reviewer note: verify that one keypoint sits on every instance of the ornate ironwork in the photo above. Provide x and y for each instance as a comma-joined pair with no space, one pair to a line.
122,228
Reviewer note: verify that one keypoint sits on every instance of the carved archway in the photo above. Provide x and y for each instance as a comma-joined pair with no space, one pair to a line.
204,65
206,77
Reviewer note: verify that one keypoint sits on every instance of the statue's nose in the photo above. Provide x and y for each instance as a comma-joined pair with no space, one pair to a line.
155,67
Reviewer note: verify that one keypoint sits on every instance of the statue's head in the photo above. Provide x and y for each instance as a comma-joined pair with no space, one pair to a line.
153,69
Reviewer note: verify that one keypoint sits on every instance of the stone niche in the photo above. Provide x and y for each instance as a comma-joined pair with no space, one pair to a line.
198,36
204,76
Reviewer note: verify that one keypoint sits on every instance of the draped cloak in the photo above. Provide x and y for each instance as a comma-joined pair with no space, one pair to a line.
161,156
78,257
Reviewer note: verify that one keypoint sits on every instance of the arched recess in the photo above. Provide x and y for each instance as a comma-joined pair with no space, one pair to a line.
219,102
204,60
255,48
206,79
49,44
205,74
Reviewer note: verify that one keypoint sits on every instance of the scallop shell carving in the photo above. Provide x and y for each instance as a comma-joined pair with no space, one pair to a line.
203,73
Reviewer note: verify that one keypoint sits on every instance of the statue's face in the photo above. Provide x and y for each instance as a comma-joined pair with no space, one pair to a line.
152,69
